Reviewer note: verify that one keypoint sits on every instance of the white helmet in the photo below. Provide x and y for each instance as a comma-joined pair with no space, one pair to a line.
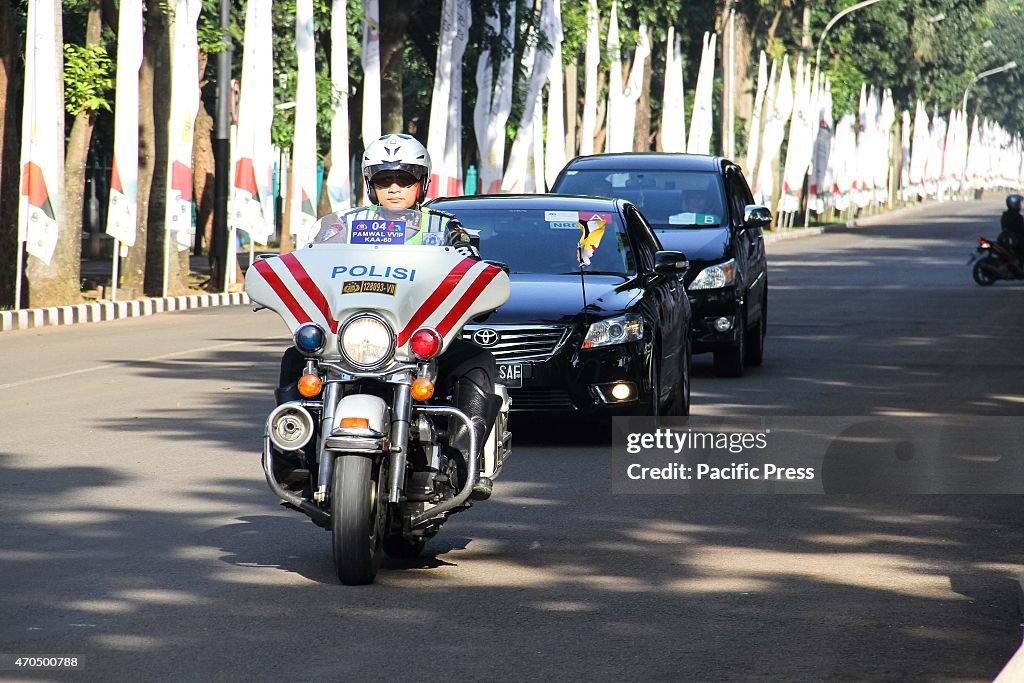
396,151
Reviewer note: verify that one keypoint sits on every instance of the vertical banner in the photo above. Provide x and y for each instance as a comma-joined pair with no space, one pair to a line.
252,198
181,124
453,136
592,57
918,151
673,114
437,129
339,179
800,148
754,136
494,102
42,139
821,181
777,111
371,71
613,129
554,151
124,173
521,158
303,180
701,121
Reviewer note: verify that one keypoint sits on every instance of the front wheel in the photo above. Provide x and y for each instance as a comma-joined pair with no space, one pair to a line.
984,272
679,403
729,361
358,516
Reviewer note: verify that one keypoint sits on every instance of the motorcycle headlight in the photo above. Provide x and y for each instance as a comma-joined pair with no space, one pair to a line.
309,339
366,341
618,330
713,277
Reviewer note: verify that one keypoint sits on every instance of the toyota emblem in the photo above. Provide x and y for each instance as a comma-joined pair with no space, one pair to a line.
485,337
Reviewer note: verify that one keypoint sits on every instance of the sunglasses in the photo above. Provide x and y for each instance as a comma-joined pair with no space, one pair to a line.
384,180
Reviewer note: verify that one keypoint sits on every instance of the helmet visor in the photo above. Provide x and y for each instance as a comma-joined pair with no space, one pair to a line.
415,170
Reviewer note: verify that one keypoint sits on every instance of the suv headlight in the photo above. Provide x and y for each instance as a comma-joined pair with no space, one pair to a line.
366,341
713,277
618,330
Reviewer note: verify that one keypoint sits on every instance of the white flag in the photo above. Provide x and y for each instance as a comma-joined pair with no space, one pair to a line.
821,183
613,130
122,209
521,158
453,137
446,102
303,179
777,112
591,58
701,123
251,205
42,133
339,179
673,116
181,121
554,152
494,103
754,137
371,71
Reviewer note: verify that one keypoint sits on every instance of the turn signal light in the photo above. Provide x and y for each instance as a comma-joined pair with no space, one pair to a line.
355,423
425,343
310,385
422,389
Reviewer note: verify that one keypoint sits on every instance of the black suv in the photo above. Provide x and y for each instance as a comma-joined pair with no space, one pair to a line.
702,206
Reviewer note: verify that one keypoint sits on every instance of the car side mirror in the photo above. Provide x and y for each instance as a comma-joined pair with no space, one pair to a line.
670,262
756,216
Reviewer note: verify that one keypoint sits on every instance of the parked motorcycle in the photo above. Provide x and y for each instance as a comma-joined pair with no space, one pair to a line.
365,453
994,260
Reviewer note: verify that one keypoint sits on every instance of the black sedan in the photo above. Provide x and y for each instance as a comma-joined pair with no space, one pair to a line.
610,339
699,205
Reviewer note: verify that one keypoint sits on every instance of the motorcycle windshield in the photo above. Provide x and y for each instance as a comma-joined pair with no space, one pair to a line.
376,226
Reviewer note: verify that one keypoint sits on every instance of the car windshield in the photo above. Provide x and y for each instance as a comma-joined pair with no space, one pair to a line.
378,226
545,241
668,199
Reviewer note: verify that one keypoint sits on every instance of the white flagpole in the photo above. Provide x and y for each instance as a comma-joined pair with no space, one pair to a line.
18,275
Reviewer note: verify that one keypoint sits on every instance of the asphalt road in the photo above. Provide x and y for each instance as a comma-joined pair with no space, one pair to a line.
137,533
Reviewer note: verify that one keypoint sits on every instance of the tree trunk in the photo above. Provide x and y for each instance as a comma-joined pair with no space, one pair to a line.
11,77
203,172
286,220
394,19
642,128
154,59
77,154
56,283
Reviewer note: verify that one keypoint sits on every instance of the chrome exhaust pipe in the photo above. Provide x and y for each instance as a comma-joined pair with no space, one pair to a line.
320,517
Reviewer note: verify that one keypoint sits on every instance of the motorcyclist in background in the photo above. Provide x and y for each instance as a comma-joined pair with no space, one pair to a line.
396,169
1012,226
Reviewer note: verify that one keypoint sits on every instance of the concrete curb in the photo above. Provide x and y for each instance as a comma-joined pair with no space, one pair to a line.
31,318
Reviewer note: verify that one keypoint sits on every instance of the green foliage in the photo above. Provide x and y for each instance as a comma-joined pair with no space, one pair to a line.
87,79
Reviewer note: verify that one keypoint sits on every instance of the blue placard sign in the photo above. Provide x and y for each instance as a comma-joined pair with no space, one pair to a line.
377,231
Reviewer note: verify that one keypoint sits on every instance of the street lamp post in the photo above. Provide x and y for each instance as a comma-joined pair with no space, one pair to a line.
832,22
986,74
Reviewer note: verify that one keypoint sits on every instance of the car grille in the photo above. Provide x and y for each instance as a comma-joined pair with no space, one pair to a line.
521,342
540,399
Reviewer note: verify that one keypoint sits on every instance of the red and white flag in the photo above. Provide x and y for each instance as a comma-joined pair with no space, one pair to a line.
591,59
252,199
444,134
122,208
181,121
339,179
42,133
673,116
494,102
303,179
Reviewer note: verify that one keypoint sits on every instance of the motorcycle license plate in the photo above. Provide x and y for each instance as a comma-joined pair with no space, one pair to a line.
510,374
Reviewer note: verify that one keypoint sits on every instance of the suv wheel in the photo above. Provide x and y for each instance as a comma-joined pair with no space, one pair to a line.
755,337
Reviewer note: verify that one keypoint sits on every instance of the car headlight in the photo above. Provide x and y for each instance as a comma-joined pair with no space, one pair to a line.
366,341
713,277
618,330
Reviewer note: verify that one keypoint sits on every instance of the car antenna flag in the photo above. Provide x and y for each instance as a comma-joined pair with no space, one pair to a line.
593,230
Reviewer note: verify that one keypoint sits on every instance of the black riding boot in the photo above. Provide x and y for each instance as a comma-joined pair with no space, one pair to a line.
482,408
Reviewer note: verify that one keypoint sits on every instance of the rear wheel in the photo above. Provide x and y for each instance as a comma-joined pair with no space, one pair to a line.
358,516
729,361
984,272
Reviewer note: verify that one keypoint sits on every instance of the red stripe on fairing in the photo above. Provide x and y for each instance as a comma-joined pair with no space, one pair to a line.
275,282
451,280
310,288
467,299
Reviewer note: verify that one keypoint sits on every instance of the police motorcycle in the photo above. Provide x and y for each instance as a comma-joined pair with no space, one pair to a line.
370,436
